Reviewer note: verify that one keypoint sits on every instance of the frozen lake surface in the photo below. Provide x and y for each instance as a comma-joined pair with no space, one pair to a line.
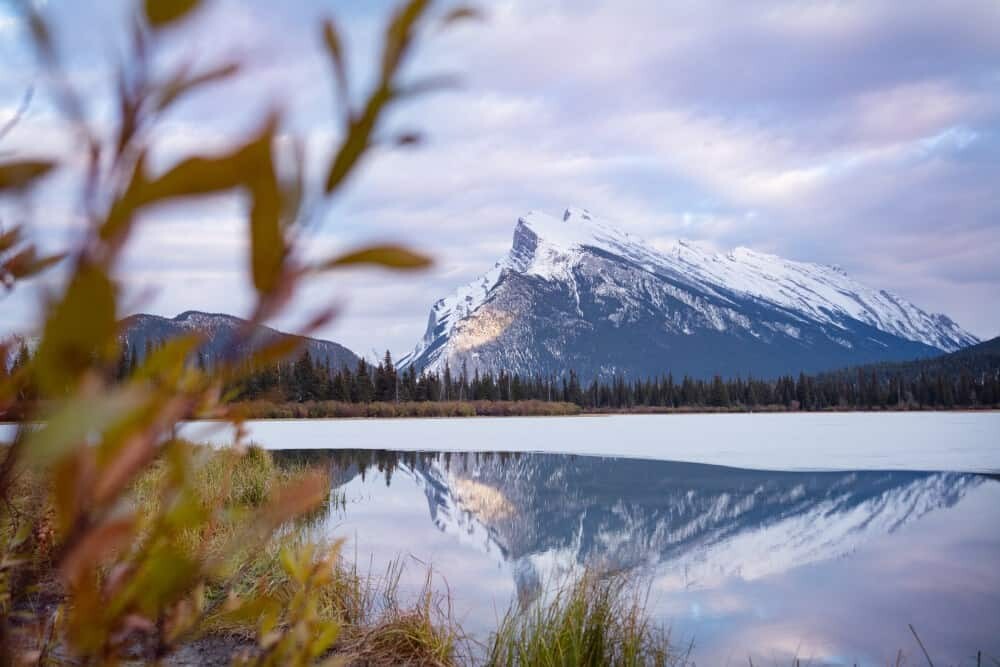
919,441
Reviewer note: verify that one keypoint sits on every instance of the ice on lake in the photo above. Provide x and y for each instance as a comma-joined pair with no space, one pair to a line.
952,441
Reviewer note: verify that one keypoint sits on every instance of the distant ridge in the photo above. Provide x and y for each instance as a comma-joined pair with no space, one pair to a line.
973,360
219,330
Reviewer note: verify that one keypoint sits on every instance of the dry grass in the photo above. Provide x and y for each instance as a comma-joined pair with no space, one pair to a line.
409,409
377,626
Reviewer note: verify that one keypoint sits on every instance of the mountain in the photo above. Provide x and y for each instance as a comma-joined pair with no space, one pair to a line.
577,293
975,361
219,331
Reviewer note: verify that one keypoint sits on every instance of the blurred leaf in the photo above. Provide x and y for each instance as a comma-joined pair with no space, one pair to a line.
324,639
426,85
279,350
408,139
267,240
168,361
163,577
80,329
292,563
295,499
464,13
293,187
389,256
334,45
399,35
197,176
21,175
358,139
78,421
181,84
9,238
89,553
251,167
161,13
27,263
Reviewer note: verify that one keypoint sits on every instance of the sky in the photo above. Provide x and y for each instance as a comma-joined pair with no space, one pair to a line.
862,134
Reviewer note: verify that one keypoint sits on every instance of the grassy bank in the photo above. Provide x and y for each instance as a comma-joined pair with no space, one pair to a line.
376,625
431,409
440,409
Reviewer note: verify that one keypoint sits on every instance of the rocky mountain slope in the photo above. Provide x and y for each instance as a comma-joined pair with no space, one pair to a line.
219,330
575,292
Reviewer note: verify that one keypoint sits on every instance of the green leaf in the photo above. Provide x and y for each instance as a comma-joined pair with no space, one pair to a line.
389,256
161,13
19,176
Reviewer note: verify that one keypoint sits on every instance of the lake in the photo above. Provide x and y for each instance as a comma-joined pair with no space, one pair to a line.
769,536
830,566
760,536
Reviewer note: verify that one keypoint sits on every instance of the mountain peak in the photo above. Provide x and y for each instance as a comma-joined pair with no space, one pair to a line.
578,292
578,213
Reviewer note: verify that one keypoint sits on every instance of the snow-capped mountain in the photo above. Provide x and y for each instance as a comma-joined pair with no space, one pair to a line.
577,293
219,331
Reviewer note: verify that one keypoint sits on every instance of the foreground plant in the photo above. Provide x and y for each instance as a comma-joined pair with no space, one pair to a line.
593,620
127,584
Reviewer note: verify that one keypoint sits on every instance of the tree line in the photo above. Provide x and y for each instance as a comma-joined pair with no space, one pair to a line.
883,386
937,383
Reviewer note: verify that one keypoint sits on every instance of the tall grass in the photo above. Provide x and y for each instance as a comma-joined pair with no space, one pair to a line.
377,625
594,620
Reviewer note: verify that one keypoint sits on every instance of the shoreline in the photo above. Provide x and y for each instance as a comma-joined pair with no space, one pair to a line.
302,412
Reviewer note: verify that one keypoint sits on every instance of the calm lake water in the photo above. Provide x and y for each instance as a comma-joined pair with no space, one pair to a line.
759,536
763,536
830,566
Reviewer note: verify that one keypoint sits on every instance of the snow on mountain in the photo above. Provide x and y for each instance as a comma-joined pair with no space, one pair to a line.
578,289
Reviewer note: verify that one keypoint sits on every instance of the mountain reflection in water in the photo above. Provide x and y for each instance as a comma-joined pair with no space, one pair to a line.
731,555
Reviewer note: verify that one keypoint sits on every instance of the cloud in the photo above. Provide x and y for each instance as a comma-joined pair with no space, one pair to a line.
847,133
